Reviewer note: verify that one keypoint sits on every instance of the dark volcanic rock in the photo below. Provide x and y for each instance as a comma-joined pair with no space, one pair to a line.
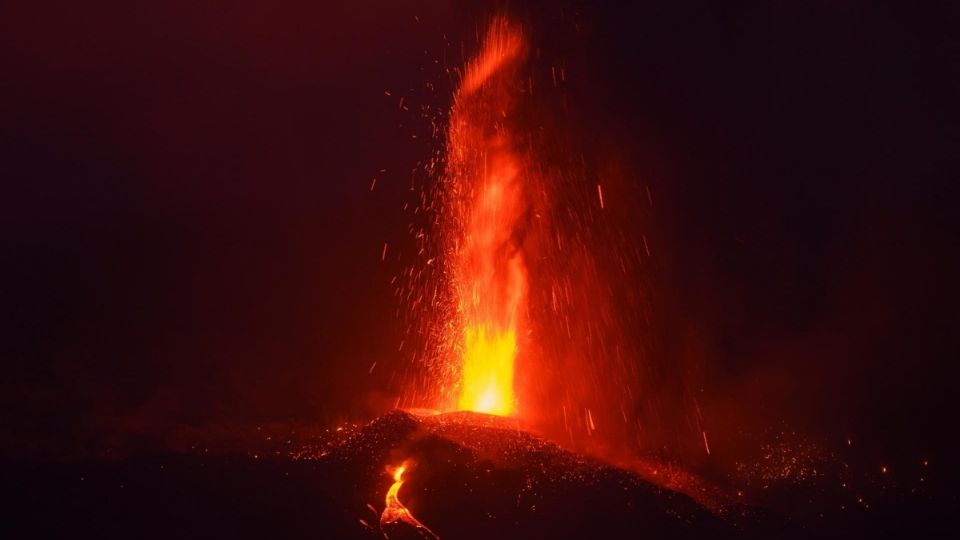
468,476
477,476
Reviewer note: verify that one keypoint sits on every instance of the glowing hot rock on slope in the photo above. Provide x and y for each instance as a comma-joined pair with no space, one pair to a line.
395,515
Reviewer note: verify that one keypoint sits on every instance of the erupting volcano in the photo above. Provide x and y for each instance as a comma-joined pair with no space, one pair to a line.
477,270
519,301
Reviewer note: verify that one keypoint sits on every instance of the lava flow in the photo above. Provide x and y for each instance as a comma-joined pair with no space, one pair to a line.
395,513
486,202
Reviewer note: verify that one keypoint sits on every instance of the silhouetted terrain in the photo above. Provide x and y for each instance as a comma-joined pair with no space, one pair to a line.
469,476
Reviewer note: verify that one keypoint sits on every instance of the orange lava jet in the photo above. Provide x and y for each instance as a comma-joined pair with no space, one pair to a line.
395,514
486,196
529,296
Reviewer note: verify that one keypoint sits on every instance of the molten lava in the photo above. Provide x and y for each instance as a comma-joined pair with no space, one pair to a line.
485,191
395,514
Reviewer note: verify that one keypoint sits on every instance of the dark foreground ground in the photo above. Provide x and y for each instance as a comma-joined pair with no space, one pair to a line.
468,476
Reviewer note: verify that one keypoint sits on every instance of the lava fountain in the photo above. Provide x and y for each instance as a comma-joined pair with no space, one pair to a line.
486,204
528,299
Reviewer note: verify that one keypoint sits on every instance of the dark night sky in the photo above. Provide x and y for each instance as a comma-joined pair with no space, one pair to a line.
189,237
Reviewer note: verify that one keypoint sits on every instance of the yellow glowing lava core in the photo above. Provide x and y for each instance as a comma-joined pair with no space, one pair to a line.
488,371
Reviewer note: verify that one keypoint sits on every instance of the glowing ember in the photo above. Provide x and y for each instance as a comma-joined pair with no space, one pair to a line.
395,513
489,274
